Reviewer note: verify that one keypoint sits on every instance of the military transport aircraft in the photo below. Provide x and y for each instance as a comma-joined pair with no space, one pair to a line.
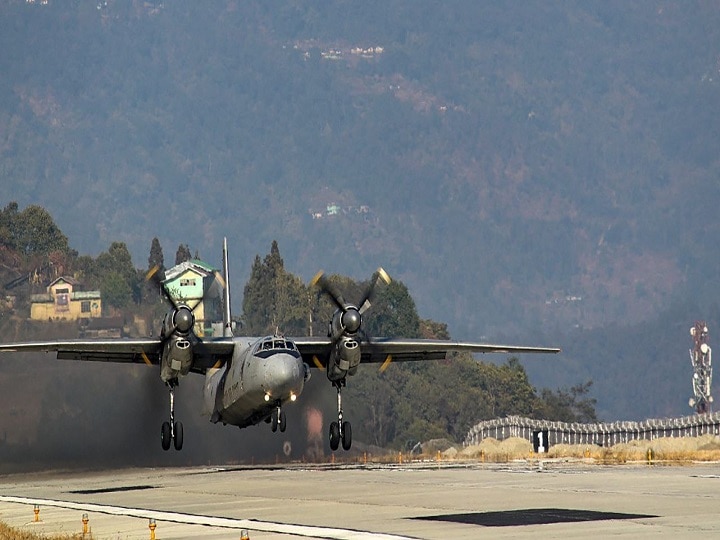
249,379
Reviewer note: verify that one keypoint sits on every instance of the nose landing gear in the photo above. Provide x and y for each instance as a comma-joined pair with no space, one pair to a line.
277,419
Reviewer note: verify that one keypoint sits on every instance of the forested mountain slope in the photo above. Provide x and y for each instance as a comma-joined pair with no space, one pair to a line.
525,168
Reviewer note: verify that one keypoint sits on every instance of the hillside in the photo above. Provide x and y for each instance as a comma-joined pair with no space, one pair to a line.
526,169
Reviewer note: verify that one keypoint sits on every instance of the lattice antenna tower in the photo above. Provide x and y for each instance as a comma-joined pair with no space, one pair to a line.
701,359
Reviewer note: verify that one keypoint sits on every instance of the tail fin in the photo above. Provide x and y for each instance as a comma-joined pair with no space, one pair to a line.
227,321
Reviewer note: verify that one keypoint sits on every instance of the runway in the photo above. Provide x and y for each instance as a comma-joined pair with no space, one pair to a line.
418,501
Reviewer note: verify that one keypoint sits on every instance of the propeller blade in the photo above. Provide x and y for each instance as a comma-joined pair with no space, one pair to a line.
150,273
383,275
156,276
317,363
316,278
220,279
380,274
386,363
365,306
145,358
329,288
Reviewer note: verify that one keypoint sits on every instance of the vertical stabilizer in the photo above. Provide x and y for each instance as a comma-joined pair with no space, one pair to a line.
227,321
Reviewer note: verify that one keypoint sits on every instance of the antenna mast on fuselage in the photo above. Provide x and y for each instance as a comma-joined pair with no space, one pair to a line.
227,321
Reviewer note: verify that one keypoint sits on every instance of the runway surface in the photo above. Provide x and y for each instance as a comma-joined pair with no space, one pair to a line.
425,501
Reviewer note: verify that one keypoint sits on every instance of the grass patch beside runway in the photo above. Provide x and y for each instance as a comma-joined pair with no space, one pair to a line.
13,533
667,449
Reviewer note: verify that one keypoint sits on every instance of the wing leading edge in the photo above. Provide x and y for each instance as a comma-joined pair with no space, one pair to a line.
215,352
206,354
316,350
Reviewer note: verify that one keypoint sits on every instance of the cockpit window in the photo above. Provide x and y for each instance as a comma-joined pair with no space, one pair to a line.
274,344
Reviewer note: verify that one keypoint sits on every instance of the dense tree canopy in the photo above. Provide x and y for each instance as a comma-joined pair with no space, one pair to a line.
31,231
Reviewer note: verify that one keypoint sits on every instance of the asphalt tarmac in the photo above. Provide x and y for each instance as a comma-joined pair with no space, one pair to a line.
428,501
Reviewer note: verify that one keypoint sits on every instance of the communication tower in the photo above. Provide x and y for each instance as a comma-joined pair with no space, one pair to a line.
701,359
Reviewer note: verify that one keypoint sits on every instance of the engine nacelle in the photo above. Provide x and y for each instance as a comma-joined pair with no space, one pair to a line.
177,358
344,360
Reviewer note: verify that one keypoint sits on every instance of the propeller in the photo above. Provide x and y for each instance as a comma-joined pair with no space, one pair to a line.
348,319
346,325
182,319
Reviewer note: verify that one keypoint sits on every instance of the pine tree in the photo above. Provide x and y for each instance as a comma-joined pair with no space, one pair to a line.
183,254
274,299
156,255
393,313
256,300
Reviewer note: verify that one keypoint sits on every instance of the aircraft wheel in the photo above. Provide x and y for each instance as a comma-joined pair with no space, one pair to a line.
346,436
274,421
165,435
178,435
334,436
282,423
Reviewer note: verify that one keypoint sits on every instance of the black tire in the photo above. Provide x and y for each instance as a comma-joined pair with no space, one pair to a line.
178,436
274,421
346,436
334,436
282,423
165,435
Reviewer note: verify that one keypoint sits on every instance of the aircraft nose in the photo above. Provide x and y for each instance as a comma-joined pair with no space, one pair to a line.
285,376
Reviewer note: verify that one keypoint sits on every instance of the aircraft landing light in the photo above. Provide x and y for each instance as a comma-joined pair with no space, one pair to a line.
267,397
293,397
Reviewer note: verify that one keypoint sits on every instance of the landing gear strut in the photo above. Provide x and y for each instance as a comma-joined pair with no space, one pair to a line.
172,430
277,419
340,431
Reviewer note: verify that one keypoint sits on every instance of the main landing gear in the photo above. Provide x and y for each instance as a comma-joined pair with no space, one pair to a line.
172,431
340,431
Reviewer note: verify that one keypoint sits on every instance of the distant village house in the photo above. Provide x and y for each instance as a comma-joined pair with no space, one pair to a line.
62,302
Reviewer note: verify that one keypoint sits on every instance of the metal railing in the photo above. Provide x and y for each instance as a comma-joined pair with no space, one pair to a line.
601,433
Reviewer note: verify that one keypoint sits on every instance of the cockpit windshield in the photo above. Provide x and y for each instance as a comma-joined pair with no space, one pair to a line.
275,344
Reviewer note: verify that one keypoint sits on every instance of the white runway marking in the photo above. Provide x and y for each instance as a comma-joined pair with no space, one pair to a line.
307,531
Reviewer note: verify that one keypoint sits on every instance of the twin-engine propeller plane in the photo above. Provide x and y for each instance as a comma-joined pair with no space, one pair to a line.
248,380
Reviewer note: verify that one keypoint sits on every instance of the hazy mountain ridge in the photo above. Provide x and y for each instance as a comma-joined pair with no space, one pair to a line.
514,156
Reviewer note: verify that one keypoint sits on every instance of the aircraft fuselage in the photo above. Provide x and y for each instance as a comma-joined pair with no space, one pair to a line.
261,377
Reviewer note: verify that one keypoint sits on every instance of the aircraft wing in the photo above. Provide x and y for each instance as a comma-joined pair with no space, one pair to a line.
206,353
315,351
